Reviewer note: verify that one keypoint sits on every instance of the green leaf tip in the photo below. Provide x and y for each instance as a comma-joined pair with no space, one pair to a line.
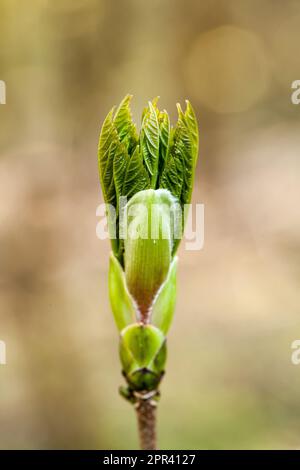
149,140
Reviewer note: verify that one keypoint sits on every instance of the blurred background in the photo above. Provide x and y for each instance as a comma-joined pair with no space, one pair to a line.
230,382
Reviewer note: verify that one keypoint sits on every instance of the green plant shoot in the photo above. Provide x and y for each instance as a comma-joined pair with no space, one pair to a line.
146,180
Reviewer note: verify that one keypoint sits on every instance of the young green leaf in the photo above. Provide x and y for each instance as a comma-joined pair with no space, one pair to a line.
136,178
108,143
143,342
146,109
172,176
164,138
163,306
125,127
185,145
130,175
123,120
158,364
192,125
120,164
143,355
149,140
122,304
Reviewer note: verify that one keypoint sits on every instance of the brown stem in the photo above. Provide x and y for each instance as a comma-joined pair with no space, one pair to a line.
146,416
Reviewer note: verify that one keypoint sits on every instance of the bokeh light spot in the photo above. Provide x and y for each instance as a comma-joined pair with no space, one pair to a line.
227,69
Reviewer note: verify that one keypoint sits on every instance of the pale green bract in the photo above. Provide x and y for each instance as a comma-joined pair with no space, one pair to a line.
155,172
